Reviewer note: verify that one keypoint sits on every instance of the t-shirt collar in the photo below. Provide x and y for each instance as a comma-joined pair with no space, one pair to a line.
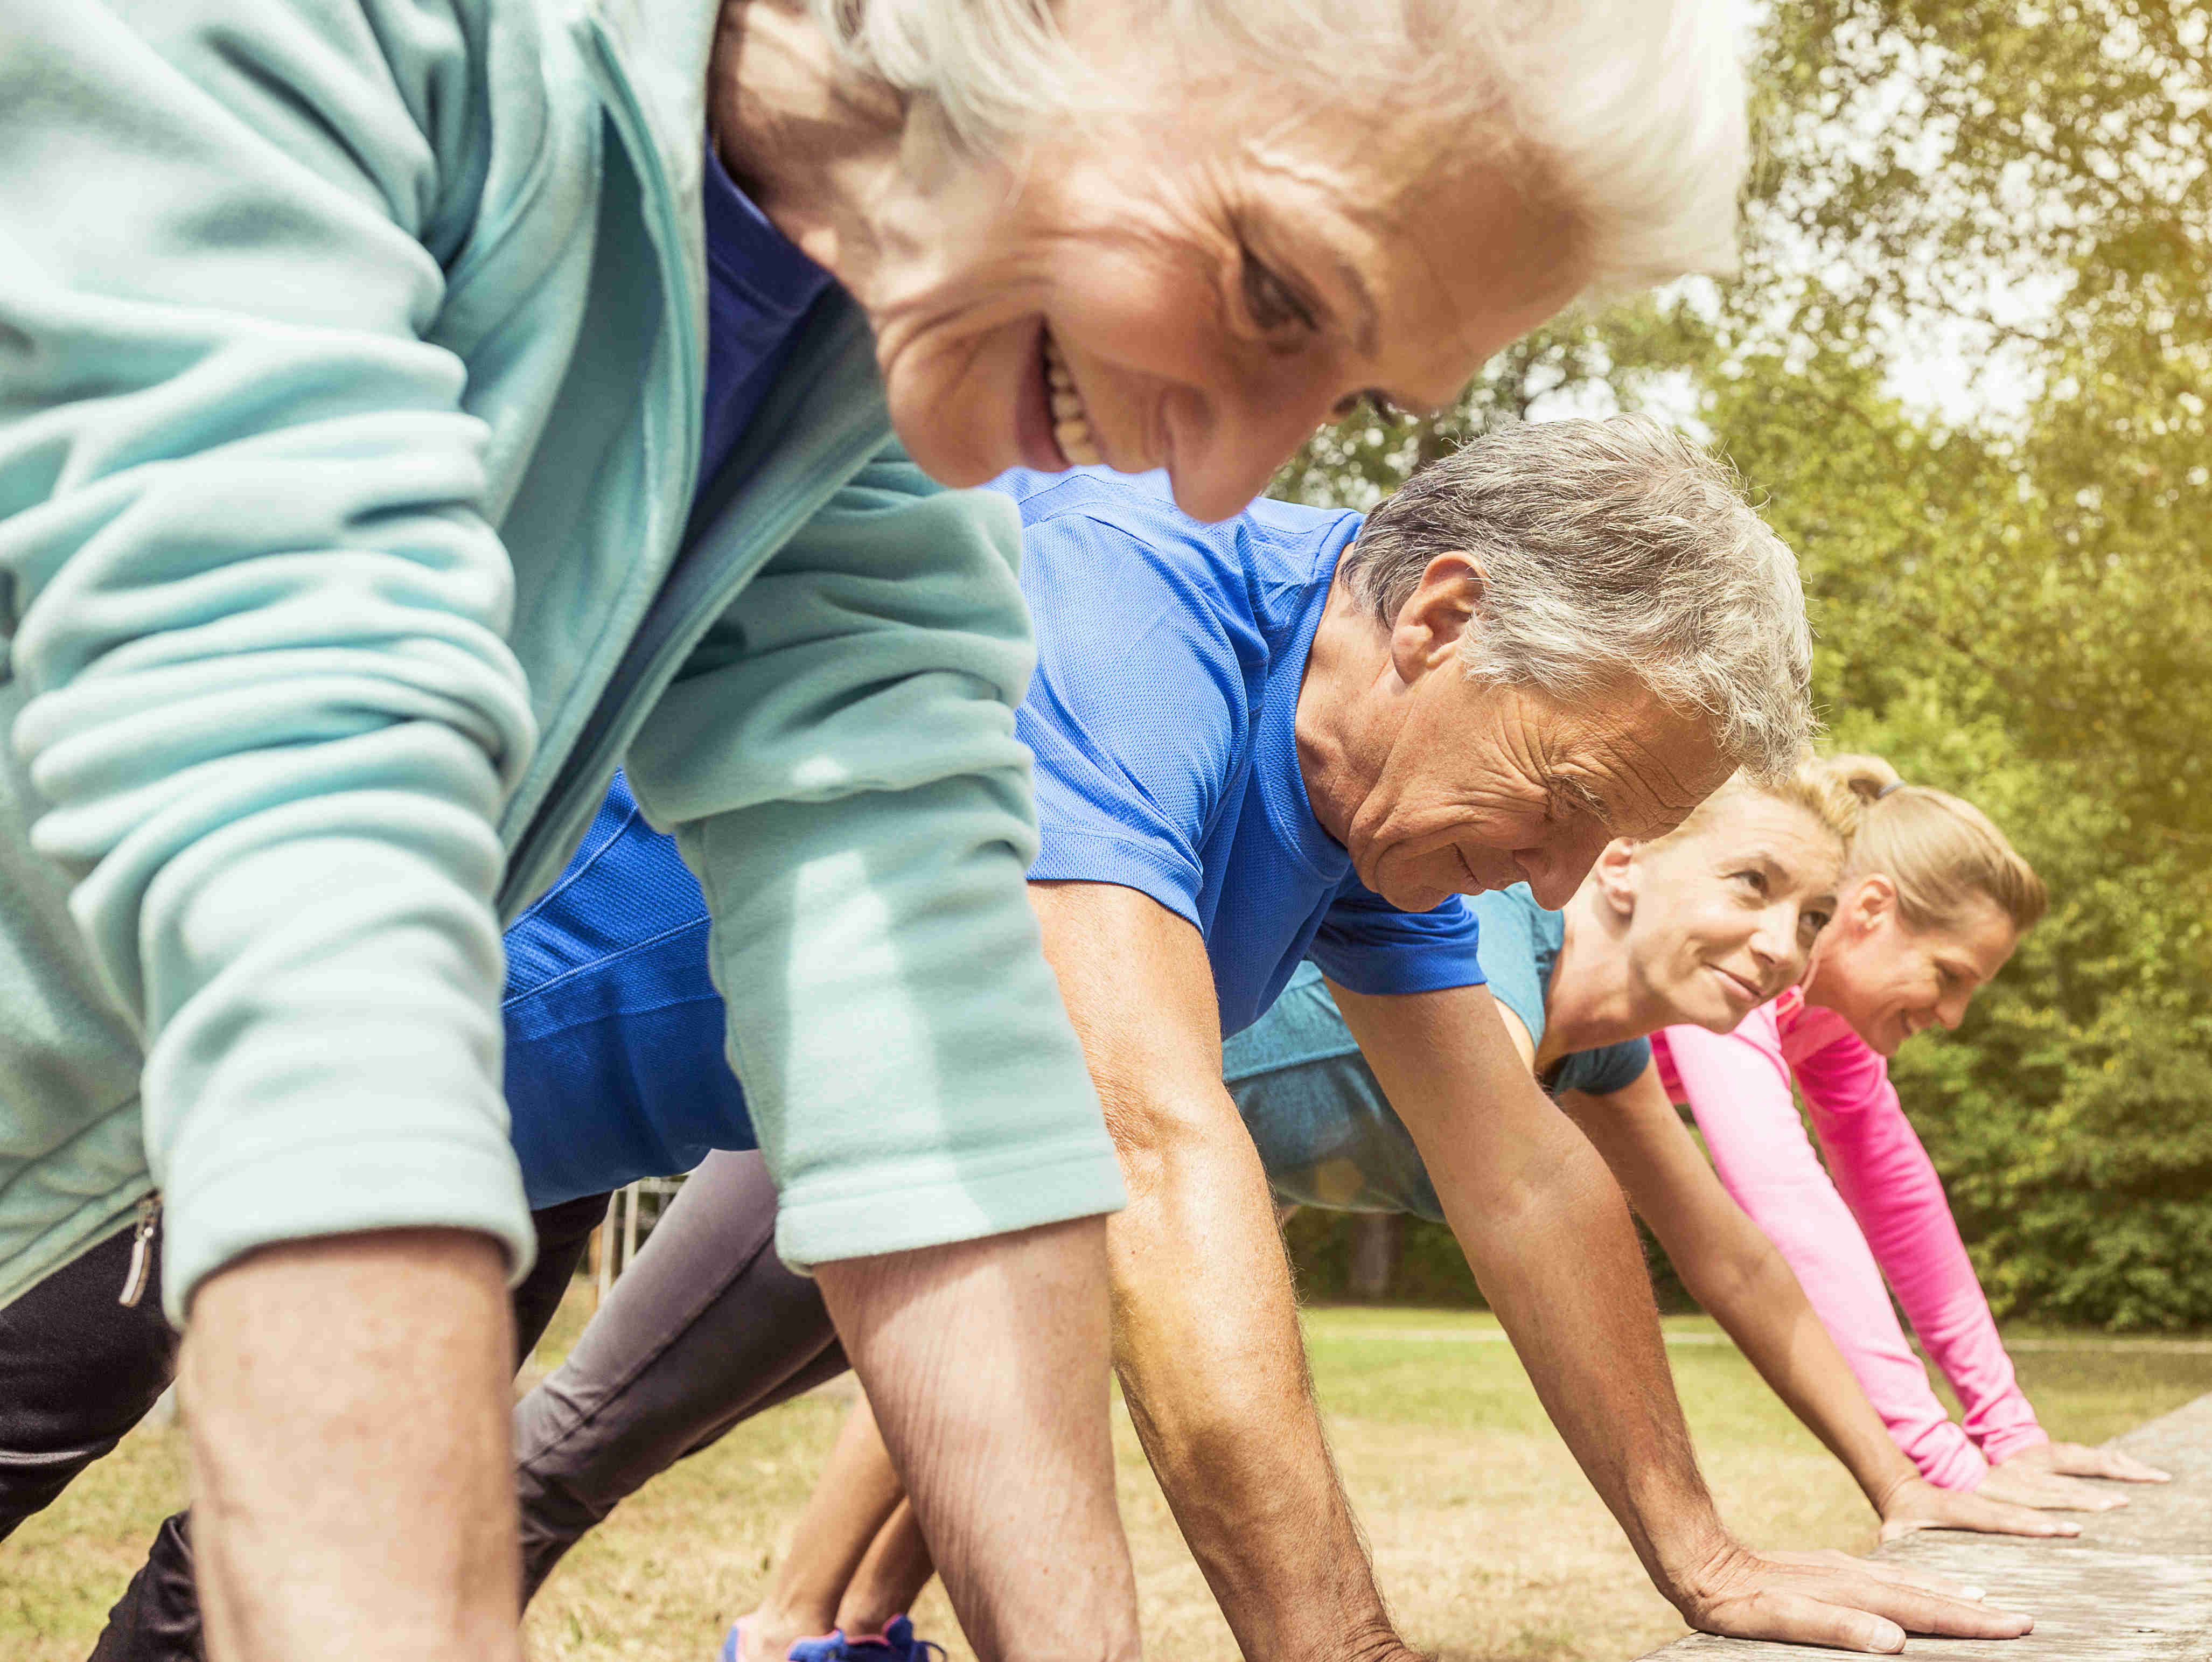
1275,750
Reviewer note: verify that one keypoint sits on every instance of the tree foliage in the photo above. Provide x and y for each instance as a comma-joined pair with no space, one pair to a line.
2006,208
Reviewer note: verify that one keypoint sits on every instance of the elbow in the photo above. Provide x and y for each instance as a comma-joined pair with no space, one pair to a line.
1564,1189
1738,1282
1161,1143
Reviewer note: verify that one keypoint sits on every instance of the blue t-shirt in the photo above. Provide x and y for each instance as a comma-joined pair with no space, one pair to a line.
1326,1133
1169,659
615,1066
1170,655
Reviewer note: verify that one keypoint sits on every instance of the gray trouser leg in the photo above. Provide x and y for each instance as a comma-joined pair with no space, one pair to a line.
706,1328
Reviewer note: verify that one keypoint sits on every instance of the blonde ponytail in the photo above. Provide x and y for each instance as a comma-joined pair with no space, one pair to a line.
1942,853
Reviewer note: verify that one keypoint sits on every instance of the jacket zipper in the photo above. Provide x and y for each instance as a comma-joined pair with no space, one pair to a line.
701,594
656,199
142,1253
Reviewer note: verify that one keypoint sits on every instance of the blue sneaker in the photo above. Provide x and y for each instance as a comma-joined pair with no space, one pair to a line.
896,1643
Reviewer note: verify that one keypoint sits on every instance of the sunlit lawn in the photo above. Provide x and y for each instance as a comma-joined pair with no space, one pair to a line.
1488,1542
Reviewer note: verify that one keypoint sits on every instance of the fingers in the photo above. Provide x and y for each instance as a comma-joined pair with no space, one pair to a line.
2072,1494
1989,1516
1900,1575
2075,1460
1794,1618
1982,1516
1863,1608
2028,1485
1917,1609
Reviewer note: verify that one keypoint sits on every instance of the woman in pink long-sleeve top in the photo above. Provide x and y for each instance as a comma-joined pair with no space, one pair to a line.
1933,901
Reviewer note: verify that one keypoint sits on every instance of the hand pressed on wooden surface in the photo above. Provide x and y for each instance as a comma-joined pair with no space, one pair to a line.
2079,1460
2050,1475
1833,1598
1917,1504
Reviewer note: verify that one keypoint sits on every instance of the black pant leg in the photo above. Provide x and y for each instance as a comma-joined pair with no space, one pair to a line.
158,1618
81,1369
705,1329
563,1232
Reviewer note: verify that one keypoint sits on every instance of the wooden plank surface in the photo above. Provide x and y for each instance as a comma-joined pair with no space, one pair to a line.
2135,1586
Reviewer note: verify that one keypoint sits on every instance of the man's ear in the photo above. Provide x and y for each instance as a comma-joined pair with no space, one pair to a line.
1437,615
1614,877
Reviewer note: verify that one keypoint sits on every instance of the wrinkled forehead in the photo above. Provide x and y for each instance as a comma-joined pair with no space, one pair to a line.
1646,764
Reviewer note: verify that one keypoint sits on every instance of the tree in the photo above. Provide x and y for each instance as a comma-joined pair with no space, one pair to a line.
2012,581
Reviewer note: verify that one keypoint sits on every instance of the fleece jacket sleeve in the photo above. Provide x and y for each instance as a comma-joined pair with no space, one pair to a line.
839,767
248,580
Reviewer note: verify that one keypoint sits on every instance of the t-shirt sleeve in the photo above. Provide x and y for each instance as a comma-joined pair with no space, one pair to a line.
1614,1067
1367,945
1137,713
1509,943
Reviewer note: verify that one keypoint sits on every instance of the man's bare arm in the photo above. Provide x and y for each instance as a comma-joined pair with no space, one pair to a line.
1206,1323
354,1497
1547,1234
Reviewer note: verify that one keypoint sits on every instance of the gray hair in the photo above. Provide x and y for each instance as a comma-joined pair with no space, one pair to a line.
1610,547
1627,115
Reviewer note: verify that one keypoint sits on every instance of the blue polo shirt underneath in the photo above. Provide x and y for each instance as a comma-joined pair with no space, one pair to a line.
1163,718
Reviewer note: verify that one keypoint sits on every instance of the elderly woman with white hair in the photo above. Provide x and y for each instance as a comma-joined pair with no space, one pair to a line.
1295,734
416,409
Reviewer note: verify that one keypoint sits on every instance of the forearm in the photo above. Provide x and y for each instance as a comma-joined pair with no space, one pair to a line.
348,1403
1564,1273
1893,1191
1758,1143
1212,1365
985,1363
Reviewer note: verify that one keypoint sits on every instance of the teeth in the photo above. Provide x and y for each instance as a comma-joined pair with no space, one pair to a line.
1075,443
1071,424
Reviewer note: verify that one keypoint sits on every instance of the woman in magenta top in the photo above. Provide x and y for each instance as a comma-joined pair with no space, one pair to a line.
1933,903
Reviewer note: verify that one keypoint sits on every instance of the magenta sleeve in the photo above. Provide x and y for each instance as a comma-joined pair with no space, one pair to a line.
1737,1085
1891,1185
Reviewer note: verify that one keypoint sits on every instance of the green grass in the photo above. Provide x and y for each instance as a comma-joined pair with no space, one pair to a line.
1485,1535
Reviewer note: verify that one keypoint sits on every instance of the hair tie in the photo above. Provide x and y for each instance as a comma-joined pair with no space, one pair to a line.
1895,784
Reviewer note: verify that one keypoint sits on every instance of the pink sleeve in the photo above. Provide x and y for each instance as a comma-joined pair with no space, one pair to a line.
1737,1084
1891,1185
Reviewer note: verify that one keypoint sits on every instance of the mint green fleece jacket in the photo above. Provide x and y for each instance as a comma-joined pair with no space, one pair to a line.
350,372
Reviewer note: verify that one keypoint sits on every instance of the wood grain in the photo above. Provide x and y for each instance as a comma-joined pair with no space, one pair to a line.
2135,1586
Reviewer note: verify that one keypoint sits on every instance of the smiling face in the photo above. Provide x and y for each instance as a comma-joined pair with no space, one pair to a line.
1196,285
1490,786
1890,980
1439,784
1717,921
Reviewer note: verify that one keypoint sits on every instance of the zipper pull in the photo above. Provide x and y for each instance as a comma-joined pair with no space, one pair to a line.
142,1253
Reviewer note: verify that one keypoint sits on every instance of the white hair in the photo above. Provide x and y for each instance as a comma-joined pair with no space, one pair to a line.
1627,115
1610,548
